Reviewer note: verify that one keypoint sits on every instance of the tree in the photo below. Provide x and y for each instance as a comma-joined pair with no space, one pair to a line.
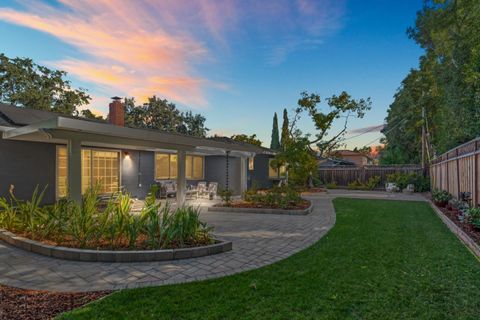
299,154
342,106
299,161
285,133
252,139
193,125
275,141
88,114
27,84
163,115
446,84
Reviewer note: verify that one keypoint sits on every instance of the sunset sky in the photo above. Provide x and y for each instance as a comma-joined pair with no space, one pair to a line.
236,62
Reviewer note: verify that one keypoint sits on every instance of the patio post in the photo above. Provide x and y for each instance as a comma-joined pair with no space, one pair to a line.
74,150
243,175
181,177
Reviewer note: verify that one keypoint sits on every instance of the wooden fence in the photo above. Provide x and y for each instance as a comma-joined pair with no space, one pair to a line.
456,171
343,175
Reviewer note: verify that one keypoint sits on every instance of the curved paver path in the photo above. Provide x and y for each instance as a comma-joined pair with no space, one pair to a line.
258,240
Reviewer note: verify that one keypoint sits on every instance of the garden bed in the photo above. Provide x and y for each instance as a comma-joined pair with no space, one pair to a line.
302,208
470,230
20,304
113,255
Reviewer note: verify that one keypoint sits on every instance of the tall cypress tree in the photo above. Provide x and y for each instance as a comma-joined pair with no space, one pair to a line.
275,142
285,133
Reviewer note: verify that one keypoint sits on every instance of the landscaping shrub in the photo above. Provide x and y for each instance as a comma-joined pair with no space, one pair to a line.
441,197
332,185
371,184
474,216
91,224
277,197
402,180
226,197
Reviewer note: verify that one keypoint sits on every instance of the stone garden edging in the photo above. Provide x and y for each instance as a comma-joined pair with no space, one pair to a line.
465,238
89,255
293,212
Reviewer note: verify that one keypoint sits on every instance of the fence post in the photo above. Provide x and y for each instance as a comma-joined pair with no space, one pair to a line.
448,173
475,174
458,175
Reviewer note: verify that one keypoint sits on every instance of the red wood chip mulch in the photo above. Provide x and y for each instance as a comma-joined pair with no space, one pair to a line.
23,304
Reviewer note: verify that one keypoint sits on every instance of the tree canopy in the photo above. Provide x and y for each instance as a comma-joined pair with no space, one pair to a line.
275,140
446,84
339,108
299,149
285,137
252,139
160,114
27,84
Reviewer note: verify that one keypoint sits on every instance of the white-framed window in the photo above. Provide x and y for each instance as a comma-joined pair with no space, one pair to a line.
251,163
166,166
61,164
276,173
98,167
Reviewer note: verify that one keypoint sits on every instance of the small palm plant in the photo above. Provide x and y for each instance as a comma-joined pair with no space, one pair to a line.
30,213
82,226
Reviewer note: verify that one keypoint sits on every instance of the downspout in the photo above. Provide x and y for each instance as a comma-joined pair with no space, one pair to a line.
139,174
227,163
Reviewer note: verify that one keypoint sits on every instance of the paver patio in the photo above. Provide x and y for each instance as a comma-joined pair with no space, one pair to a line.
258,240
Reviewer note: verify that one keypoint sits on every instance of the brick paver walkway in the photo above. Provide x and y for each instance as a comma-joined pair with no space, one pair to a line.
258,240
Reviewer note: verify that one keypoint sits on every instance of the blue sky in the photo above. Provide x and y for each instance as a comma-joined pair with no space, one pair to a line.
236,62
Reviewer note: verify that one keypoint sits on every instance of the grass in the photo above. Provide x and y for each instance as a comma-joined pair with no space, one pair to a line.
382,260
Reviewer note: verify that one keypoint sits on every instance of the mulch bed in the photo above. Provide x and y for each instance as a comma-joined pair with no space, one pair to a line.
470,230
243,204
122,244
23,304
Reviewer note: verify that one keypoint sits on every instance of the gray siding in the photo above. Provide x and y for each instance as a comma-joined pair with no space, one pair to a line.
138,172
26,165
215,171
259,175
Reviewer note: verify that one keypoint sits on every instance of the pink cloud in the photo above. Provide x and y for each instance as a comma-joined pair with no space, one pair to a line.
145,47
125,55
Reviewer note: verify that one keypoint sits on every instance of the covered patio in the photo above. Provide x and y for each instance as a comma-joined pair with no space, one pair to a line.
225,163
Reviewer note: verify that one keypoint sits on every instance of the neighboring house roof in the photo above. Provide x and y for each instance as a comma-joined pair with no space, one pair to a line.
37,125
334,162
242,143
343,153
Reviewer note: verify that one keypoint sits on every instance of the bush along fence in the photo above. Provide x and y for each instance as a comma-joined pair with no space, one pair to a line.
456,172
348,176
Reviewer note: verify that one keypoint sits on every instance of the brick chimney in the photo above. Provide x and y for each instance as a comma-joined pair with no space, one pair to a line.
116,112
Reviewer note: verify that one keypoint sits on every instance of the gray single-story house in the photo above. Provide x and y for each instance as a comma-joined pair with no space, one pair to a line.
70,154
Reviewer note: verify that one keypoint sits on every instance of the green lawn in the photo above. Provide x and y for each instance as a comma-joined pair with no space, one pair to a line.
382,260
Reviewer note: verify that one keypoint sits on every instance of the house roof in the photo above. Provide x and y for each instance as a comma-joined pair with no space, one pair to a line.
242,143
45,126
351,153
333,162
19,116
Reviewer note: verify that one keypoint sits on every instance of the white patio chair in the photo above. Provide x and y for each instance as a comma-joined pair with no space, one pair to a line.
201,189
212,190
